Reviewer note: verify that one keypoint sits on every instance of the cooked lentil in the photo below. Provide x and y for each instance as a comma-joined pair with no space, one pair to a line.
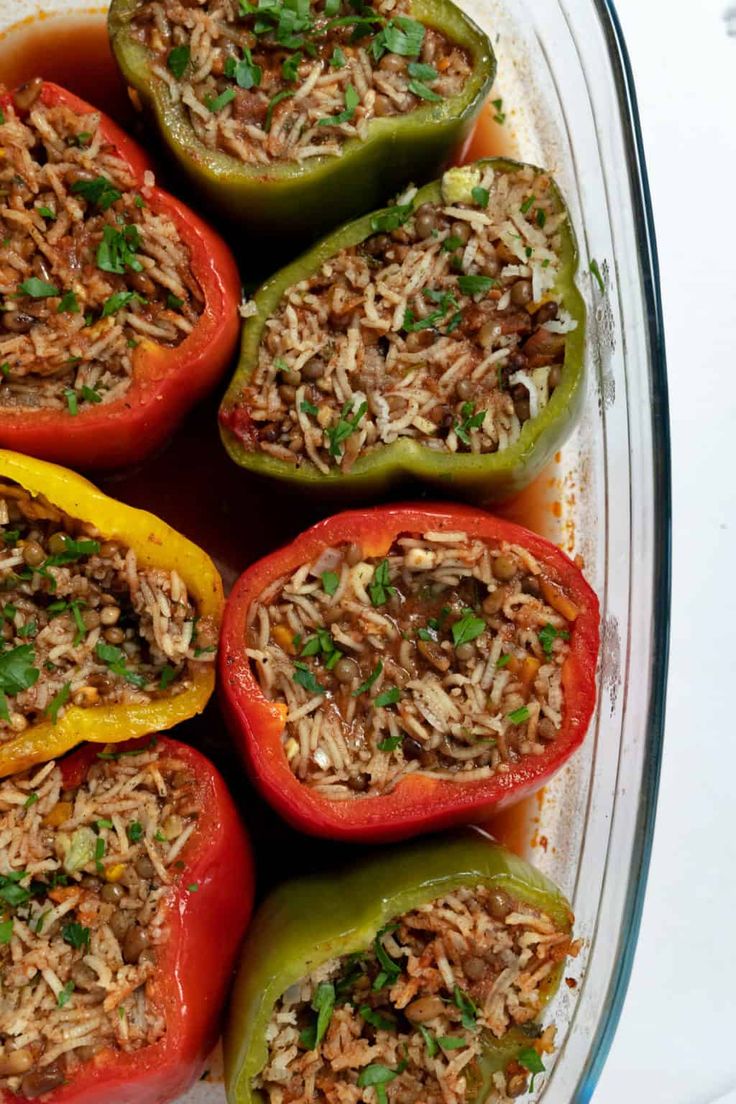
87,269
444,330
289,81
445,657
87,875
450,975
81,622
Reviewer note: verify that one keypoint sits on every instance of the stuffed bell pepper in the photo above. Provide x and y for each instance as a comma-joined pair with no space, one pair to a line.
109,618
290,116
117,869
406,668
419,975
118,305
440,338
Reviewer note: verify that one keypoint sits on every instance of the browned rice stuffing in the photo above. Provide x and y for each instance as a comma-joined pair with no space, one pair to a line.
444,331
443,658
81,622
460,969
290,93
87,269
85,877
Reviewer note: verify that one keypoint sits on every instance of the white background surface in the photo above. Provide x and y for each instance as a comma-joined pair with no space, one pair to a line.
675,1041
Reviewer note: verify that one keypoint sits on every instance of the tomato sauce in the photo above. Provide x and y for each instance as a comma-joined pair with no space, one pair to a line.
194,485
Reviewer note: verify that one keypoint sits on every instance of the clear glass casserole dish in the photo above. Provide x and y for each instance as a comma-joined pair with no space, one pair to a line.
567,102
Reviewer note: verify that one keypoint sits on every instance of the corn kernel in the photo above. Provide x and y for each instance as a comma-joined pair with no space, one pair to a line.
115,872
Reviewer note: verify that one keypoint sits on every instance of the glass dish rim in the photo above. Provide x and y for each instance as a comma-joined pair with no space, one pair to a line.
654,720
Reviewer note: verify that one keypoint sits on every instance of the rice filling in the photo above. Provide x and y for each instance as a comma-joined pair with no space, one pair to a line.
406,1020
86,876
289,81
88,269
444,327
82,623
445,657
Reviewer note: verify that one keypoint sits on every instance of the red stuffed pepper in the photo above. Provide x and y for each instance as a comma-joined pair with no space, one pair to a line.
118,304
402,669
125,888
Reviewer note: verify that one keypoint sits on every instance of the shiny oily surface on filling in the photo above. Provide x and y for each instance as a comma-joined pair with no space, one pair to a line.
445,657
87,269
407,1019
289,80
85,878
81,623
444,329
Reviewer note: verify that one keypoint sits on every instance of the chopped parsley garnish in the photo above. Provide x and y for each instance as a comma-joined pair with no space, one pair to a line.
352,99
388,697
500,116
290,67
445,301
309,408
117,250
330,582
392,218
135,831
5,368
380,589
99,852
58,700
90,395
468,1009
304,677
421,71
401,35
548,635
467,628
73,551
531,1061
321,642
337,61
480,196
527,205
216,103
100,191
346,425
178,60
193,888
470,420
173,302
451,1042
503,660
273,103
65,994
390,743
423,92
37,289
117,301
46,212
17,672
323,1004
30,800
76,935
115,658
378,1077
11,893
365,686
519,716
596,272
390,970
6,931
245,72
375,1019
75,607
83,138
71,401
29,629
429,1040
69,304
475,285
104,823
541,217
168,674
452,243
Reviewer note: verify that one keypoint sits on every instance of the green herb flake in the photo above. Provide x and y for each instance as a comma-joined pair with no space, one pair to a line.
388,697
423,91
347,424
37,289
548,635
117,250
216,103
452,243
46,213
193,888
135,831
337,61
72,401
75,935
365,686
272,104
375,1019
117,301
429,1040
527,205
467,628
471,419
451,1042
5,368
503,660
540,217
168,674
480,196
17,672
401,35
500,115
30,801
178,60
421,71
392,218
530,1060
468,1009
83,138
115,658
330,582
305,678
57,702
380,589
99,852
64,994
245,72
73,550
100,191
29,629
290,67
6,931
69,304
323,1004
519,716
352,99
104,823
596,272
475,285
390,743
309,408
90,395
173,302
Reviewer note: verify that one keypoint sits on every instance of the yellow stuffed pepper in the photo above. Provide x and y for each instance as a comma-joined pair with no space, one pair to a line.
110,618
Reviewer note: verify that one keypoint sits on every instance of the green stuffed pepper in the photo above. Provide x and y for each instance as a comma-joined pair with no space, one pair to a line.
420,974
441,338
290,116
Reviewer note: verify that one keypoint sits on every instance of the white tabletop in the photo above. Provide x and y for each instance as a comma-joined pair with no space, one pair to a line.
675,1040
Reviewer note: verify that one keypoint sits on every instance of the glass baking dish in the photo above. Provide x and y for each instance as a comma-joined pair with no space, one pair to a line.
569,104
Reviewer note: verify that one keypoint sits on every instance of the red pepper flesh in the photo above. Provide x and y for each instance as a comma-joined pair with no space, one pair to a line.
195,965
167,382
417,803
